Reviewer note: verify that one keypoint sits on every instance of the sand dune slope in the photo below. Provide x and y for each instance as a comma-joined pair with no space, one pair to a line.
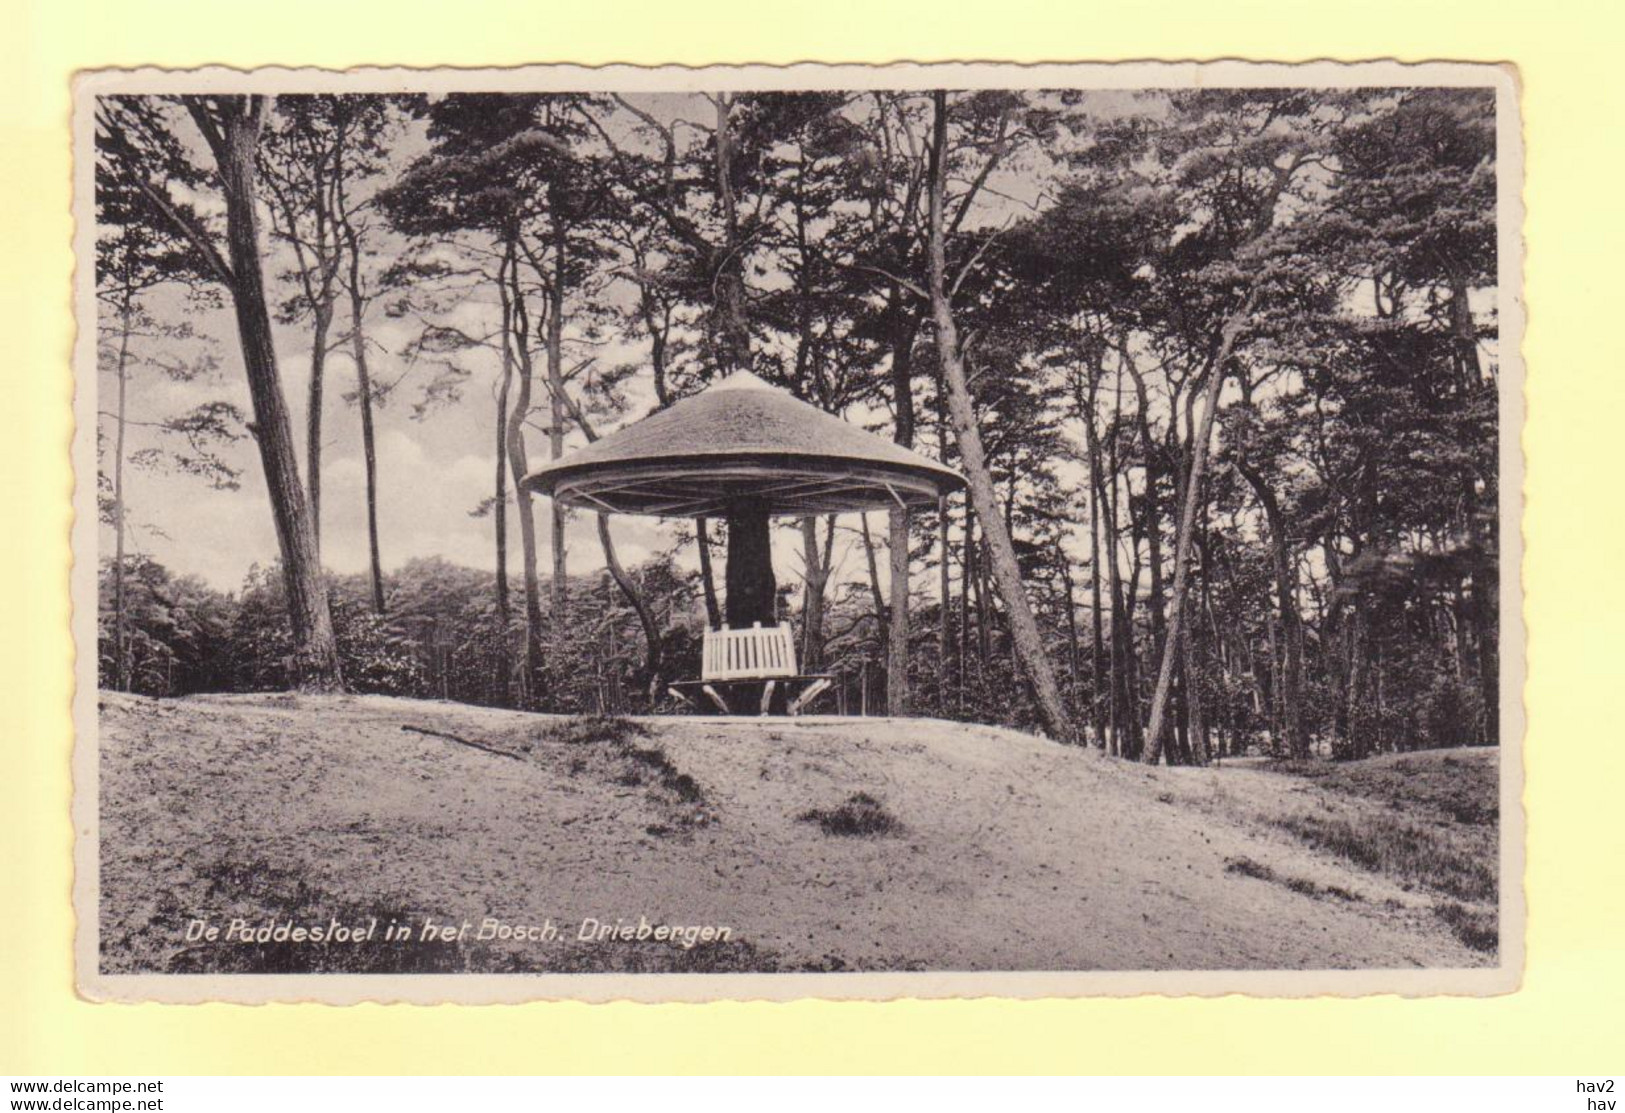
1004,851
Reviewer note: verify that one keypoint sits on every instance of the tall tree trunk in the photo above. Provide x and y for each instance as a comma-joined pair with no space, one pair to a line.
945,573
499,511
1289,690
1071,620
812,607
234,136
708,580
881,616
945,600
1360,739
322,312
634,597
1191,671
1464,337
1187,523
518,466
1218,718
504,665
733,349
1334,637
898,518
1482,542
121,656
555,433
1125,670
628,587
752,593
984,615
1024,632
1453,626
1096,658
1486,612
1132,688
1152,503
1123,715
369,444
967,547
897,635
1195,725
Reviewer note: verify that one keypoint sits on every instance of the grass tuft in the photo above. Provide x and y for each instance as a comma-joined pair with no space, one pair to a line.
1249,868
1475,928
860,816
1462,789
681,785
632,765
1246,867
1414,854
596,729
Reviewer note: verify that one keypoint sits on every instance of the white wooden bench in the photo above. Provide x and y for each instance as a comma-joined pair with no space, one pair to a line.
759,653
765,654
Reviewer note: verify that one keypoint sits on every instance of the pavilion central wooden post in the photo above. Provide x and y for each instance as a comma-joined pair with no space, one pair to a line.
752,590
742,451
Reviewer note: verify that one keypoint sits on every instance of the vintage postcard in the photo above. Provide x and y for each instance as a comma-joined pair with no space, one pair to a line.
757,533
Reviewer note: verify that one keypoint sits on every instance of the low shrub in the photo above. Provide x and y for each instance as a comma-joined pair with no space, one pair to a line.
859,816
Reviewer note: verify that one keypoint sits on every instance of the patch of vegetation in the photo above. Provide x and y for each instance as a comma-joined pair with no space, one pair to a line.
1248,868
684,787
592,730
618,754
1412,854
1475,928
860,816
1337,892
1463,788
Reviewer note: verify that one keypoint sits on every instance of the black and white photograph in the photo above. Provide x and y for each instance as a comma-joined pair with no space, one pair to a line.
821,531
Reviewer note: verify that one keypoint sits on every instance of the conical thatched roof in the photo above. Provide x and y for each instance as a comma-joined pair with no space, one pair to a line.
742,439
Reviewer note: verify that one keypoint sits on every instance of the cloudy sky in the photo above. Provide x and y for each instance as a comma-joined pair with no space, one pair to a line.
432,471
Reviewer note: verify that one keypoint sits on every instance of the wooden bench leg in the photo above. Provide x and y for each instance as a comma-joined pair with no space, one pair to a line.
682,696
767,694
812,693
716,698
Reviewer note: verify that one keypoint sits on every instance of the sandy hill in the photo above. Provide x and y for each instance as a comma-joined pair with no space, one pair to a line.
829,844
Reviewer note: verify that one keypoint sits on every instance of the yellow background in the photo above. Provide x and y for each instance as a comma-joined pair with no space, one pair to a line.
1566,1020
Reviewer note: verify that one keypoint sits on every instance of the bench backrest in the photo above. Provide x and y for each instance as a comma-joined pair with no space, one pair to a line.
759,653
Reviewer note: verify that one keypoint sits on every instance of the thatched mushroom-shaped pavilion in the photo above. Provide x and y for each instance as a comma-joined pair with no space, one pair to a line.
745,452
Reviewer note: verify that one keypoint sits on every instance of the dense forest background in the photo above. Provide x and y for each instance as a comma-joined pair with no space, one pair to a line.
1219,366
